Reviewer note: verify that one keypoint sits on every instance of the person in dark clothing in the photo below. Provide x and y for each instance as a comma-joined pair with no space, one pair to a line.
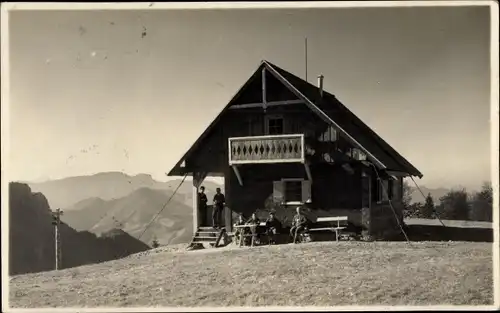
219,202
202,204
254,221
273,226
299,224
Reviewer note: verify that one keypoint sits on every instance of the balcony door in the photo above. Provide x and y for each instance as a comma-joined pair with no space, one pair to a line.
274,124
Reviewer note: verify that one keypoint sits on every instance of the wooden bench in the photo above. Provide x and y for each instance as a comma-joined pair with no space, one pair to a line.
341,225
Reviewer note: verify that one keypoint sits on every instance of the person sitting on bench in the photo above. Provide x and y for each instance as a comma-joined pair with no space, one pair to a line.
273,226
254,221
239,231
299,224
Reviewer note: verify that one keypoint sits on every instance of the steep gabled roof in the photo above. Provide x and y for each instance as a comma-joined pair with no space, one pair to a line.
333,112
342,116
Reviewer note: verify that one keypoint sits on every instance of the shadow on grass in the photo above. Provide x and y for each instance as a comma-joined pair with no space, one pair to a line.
415,233
441,233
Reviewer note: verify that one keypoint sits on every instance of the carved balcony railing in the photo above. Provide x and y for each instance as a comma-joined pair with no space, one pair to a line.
266,149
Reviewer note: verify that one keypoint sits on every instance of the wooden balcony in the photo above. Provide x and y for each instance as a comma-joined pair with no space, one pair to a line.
266,149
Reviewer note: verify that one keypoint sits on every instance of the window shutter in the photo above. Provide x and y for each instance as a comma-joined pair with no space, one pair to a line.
278,191
306,191
366,197
384,190
395,190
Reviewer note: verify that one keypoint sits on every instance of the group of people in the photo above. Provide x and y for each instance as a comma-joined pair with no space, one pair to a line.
219,201
272,226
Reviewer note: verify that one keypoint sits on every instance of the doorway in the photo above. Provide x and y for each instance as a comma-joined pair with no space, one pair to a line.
206,217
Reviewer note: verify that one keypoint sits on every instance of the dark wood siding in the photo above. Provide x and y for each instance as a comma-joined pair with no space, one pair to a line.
258,184
332,189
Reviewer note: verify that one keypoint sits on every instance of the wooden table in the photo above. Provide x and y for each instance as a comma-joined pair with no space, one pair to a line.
243,235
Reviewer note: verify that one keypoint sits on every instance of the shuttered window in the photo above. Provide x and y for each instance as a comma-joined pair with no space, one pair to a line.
390,188
306,191
278,191
292,191
383,190
395,190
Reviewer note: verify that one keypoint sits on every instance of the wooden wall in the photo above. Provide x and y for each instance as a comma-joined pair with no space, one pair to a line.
212,154
257,186
334,187
333,190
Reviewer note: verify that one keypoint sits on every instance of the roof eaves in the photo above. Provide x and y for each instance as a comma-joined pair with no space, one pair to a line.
214,121
393,153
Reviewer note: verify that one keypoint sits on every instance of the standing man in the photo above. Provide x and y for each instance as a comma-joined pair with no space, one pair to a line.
299,223
219,202
202,205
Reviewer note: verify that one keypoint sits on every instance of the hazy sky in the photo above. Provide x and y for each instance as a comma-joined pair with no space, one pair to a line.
418,76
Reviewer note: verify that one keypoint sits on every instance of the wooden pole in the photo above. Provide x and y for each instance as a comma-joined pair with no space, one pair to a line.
196,185
306,55
57,246
56,215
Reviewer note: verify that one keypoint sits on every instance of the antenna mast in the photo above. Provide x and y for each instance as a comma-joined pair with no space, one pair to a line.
306,55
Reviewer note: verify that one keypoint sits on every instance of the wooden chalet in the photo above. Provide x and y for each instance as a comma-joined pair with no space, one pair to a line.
284,141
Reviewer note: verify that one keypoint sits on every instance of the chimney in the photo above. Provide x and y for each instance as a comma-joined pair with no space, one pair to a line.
320,85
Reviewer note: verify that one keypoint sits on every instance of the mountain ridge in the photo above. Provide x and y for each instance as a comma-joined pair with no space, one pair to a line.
31,237
133,213
66,192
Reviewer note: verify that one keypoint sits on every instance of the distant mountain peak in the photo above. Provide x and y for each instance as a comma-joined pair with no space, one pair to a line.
112,173
142,175
67,192
144,190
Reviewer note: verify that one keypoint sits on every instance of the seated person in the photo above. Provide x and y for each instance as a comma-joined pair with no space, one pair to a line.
254,221
299,225
239,231
273,226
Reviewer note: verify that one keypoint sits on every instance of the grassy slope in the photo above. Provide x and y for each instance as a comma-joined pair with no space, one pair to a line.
346,273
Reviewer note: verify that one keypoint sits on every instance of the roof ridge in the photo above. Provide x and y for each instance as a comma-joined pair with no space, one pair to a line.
298,77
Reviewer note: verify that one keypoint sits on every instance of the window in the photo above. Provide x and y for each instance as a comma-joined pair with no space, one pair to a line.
358,154
384,191
390,189
275,125
292,191
330,135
